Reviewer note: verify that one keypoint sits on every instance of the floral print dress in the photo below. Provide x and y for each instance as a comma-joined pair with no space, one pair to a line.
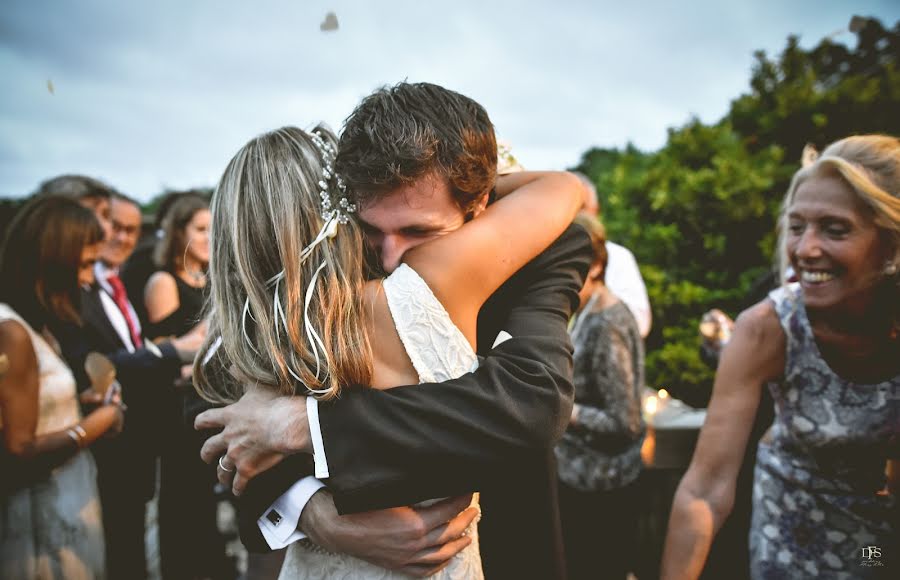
818,506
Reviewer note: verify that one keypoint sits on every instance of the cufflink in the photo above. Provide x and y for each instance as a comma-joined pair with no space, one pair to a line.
274,517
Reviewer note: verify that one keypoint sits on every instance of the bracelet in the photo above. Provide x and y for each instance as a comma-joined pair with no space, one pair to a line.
77,434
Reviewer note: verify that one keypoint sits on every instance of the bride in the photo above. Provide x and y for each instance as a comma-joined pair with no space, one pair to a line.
290,301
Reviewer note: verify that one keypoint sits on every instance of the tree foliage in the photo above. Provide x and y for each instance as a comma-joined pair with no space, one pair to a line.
700,213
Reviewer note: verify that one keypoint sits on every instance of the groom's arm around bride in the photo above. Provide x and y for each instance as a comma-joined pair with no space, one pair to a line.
489,430
492,430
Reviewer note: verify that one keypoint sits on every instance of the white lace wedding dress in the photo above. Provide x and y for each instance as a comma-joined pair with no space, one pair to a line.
439,352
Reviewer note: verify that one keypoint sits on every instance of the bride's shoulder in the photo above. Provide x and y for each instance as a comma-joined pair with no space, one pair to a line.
391,365
385,299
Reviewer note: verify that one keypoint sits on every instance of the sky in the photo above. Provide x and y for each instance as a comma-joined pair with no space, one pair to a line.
150,96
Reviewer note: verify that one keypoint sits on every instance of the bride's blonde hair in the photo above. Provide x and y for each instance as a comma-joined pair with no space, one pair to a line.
266,210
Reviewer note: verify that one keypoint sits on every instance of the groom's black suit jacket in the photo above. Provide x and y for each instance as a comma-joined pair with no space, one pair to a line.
492,430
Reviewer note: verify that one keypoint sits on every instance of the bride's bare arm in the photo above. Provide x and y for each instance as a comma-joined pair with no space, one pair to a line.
464,267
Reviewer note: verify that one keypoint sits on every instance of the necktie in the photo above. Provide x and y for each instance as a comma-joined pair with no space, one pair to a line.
121,299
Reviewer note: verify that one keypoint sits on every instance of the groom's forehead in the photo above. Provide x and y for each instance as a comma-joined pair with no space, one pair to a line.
427,202
402,216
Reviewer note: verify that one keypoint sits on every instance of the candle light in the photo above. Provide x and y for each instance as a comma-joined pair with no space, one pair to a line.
650,405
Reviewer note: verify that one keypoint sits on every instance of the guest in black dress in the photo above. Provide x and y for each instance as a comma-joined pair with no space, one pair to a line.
190,543
141,265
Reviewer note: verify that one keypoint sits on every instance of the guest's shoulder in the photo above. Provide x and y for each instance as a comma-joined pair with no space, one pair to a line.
759,332
7,312
615,319
622,317
13,330
161,281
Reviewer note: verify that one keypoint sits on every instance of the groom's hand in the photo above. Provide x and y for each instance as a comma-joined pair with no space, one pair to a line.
418,541
258,431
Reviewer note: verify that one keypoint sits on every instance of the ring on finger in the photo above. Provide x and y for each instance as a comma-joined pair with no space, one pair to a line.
222,465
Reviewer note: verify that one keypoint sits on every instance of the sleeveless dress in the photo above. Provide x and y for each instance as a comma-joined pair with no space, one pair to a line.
53,528
191,544
185,317
816,510
439,352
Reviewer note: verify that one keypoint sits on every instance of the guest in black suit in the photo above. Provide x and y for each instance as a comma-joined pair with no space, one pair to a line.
126,465
492,430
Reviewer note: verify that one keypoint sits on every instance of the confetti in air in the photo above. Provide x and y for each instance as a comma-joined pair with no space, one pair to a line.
330,24
50,88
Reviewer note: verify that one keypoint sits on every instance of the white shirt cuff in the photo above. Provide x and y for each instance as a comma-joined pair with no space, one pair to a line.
315,433
279,524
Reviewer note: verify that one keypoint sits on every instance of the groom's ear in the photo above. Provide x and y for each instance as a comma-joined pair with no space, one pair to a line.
479,206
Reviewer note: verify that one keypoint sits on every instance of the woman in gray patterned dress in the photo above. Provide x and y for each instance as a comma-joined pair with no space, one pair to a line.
599,455
825,489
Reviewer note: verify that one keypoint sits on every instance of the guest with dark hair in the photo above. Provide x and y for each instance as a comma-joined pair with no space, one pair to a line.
173,297
89,192
50,523
111,327
599,456
141,265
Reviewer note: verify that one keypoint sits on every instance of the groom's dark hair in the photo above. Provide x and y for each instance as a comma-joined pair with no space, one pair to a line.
400,133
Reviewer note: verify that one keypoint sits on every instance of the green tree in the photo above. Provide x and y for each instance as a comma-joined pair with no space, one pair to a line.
700,213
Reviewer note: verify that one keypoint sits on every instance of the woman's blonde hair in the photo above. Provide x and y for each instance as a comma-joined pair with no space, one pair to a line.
870,164
265,211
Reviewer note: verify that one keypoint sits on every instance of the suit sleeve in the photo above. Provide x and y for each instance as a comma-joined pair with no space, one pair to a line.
261,492
406,444
142,368
134,368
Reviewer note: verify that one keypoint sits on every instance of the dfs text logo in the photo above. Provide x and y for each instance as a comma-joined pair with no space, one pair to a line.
871,557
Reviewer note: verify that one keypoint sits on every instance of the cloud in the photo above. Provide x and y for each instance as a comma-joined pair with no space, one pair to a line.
154,95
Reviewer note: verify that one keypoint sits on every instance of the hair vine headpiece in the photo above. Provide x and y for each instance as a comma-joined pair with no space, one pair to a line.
344,207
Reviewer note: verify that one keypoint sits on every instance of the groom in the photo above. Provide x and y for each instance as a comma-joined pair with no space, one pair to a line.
421,160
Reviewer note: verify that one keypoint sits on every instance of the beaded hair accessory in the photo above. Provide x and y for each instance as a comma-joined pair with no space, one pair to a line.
344,207
332,215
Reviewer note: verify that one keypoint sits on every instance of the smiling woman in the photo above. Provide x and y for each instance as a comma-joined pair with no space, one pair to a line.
50,518
825,483
842,236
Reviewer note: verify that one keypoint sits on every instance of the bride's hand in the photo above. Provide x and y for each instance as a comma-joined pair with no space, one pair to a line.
258,431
